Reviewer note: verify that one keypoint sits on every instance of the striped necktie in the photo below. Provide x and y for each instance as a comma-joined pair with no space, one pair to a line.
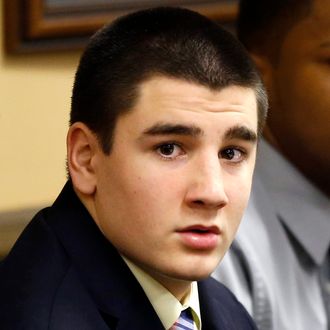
184,322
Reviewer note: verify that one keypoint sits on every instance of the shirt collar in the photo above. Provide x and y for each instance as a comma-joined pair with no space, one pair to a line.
167,307
303,208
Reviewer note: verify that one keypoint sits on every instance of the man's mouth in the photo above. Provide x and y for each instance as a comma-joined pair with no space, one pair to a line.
200,237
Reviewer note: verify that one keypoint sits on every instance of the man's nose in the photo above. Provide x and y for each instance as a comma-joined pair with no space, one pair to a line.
207,187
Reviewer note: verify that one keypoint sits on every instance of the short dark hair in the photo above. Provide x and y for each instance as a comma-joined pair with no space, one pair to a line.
262,25
173,42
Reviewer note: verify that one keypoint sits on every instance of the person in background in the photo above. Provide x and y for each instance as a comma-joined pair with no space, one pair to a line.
166,112
279,266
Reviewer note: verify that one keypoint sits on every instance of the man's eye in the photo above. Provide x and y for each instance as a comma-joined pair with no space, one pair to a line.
169,150
233,154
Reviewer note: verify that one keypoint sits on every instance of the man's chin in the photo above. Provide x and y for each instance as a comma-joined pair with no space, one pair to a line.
190,275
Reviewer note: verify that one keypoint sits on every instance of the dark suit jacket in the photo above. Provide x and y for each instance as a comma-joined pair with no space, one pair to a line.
63,274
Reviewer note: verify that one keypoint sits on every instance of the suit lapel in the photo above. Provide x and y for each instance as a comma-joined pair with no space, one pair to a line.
210,309
220,310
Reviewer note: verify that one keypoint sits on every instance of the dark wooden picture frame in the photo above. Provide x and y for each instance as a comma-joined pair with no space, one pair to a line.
43,25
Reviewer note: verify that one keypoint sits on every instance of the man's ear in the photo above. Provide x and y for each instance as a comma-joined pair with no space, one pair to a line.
265,68
82,148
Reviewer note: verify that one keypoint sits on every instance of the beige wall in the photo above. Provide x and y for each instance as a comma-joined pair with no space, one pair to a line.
34,107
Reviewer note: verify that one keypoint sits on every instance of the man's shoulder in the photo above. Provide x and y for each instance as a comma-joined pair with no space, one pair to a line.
31,274
51,277
37,248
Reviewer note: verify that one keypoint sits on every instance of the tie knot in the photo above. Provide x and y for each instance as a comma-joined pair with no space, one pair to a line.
185,321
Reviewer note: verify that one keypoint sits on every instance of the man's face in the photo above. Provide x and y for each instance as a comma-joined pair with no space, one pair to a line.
172,192
300,95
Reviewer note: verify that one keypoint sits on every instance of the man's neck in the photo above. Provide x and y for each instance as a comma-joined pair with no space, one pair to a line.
179,288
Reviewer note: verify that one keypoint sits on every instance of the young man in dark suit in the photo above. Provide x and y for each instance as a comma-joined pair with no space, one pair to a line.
166,110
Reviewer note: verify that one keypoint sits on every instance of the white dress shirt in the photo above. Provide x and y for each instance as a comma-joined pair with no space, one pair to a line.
283,238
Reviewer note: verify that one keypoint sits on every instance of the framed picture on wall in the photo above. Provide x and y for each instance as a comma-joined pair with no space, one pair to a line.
43,25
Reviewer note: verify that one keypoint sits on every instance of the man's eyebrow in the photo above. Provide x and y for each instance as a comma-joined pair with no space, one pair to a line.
173,129
241,133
